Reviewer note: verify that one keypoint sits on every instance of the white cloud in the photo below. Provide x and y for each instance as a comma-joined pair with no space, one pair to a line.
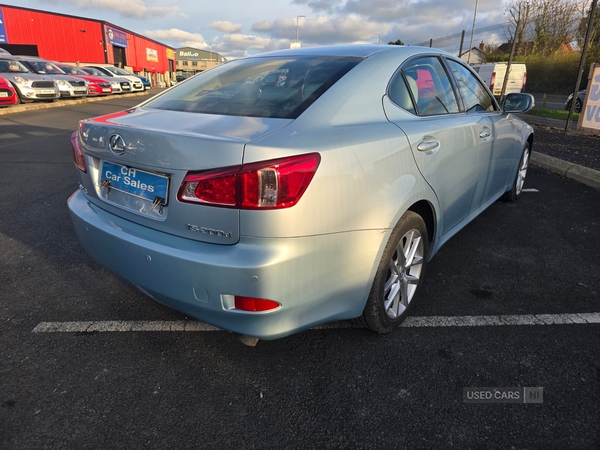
129,8
322,30
180,38
226,27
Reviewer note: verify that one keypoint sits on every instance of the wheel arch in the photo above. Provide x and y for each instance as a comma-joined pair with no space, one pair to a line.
427,212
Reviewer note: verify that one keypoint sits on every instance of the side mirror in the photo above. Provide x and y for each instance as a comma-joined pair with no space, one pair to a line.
518,103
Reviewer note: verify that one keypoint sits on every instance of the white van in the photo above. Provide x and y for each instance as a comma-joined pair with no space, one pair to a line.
493,74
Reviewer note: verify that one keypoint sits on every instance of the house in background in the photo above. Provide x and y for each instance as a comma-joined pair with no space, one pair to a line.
476,55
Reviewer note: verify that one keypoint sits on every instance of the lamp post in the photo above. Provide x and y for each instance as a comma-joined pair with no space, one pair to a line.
378,37
297,22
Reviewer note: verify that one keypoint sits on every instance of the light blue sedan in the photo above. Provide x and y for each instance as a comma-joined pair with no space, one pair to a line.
288,189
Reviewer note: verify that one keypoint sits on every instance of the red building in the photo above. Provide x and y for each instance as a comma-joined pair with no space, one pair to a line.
72,39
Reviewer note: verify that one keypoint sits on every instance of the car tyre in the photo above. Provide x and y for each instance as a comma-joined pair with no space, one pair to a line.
517,187
399,275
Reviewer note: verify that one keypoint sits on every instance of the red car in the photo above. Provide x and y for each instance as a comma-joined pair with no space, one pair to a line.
8,96
96,86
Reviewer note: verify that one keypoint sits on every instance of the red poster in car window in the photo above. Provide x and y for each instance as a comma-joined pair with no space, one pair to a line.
424,79
425,83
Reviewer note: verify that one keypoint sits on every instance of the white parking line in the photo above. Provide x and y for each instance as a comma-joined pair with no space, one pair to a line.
415,321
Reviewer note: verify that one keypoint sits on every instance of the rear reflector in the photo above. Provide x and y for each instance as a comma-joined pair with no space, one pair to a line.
255,304
493,81
273,184
78,158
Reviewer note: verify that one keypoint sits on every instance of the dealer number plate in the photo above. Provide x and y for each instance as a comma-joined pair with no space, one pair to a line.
139,183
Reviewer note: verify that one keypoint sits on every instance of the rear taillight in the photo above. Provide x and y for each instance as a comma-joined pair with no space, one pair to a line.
524,80
78,158
274,184
492,81
255,304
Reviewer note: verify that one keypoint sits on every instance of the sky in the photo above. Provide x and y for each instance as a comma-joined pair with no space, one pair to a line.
237,28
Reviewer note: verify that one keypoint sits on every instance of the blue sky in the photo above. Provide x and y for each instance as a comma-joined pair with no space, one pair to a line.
235,28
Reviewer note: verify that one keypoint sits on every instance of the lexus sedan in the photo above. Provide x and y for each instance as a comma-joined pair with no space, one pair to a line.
269,208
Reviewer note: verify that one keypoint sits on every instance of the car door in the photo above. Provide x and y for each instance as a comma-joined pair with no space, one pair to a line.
443,141
496,143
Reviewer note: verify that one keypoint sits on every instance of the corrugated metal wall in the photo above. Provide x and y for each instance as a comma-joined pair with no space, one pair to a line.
57,37
62,38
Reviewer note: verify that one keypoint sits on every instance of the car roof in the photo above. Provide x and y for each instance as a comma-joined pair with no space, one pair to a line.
361,51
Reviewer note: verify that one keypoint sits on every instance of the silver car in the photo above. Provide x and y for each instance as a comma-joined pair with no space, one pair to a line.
29,86
68,85
118,85
288,189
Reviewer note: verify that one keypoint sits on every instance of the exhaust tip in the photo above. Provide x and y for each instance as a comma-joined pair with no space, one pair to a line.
248,340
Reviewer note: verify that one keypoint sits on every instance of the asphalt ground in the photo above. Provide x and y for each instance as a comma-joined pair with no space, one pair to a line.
339,387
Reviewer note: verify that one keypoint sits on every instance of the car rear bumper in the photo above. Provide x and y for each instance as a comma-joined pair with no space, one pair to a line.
316,279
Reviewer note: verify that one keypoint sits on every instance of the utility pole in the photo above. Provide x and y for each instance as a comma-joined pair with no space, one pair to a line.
510,58
472,31
586,43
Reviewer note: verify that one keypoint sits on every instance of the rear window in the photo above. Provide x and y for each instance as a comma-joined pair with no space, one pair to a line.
273,87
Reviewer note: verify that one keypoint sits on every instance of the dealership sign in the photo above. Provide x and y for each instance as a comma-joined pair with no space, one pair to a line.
151,54
3,37
116,37
589,119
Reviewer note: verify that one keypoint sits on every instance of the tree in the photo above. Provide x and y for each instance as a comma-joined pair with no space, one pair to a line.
398,42
546,24
595,31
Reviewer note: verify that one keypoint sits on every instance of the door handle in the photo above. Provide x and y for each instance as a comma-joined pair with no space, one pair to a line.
485,133
427,146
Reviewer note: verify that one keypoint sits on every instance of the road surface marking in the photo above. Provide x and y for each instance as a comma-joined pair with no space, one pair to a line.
414,321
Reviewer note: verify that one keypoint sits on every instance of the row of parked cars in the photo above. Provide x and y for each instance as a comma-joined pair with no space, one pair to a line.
26,79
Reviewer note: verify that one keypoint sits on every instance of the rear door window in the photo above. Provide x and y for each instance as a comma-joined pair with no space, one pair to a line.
430,87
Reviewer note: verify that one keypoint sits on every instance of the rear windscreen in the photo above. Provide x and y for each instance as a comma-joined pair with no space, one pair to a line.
274,87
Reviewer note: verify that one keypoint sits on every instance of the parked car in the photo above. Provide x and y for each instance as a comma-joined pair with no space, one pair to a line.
30,87
493,74
266,210
96,85
118,85
8,94
578,101
69,86
145,81
111,71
